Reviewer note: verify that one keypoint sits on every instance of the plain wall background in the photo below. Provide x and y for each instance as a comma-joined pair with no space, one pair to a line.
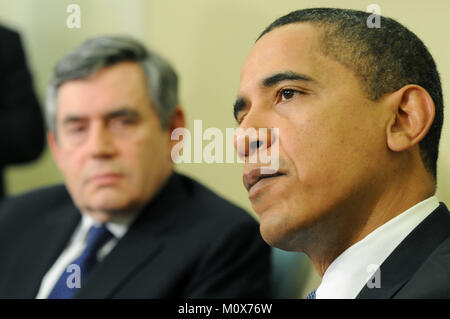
207,42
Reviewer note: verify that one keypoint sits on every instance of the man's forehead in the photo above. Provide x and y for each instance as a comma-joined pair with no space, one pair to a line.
104,91
304,37
304,32
97,107
284,48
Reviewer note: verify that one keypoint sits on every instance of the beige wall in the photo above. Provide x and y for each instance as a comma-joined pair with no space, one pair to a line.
207,42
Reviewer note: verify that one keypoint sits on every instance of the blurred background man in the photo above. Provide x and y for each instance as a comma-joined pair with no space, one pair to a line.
124,225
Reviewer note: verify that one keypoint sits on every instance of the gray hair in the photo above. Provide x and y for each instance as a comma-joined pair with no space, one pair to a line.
104,51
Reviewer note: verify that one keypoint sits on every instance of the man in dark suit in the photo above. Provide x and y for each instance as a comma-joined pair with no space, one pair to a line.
124,225
21,124
358,113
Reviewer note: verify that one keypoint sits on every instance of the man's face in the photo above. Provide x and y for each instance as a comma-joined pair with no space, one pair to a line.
331,136
110,146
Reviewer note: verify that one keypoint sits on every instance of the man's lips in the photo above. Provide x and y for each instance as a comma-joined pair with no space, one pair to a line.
253,176
105,178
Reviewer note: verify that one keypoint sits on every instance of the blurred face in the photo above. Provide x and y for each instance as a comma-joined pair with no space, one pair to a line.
331,138
110,146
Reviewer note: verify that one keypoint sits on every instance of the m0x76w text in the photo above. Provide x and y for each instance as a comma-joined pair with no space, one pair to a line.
246,308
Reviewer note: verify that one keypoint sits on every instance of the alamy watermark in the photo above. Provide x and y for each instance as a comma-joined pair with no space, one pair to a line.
73,21
74,279
235,146
374,279
374,20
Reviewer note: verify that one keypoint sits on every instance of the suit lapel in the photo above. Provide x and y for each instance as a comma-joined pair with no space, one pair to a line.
404,261
134,249
139,245
37,256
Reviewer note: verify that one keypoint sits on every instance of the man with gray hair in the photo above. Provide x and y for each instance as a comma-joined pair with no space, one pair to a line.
125,225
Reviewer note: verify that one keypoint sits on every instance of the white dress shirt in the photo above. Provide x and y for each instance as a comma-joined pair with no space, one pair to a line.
118,227
350,271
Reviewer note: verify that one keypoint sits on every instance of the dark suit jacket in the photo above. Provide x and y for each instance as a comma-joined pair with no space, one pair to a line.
420,266
187,243
21,124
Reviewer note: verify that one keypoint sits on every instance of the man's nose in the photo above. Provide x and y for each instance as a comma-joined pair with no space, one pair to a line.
101,142
253,135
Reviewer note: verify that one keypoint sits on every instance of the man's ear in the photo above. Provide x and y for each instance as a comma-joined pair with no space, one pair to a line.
54,147
177,121
412,115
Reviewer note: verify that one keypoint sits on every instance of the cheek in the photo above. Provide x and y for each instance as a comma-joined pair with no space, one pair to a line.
306,144
132,158
143,157
74,170
321,151
72,165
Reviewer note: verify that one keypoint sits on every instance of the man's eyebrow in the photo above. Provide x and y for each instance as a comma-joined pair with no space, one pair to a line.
239,105
285,76
123,111
72,118
272,80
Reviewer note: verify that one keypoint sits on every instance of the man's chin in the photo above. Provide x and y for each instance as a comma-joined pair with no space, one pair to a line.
282,241
112,203
110,208
277,231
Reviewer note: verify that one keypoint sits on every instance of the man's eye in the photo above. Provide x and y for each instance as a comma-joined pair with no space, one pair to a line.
74,129
287,94
124,121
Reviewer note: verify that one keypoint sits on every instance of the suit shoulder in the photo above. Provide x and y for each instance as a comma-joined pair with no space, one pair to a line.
35,202
432,279
206,202
440,259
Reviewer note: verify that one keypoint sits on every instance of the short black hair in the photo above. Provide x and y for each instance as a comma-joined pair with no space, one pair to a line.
385,59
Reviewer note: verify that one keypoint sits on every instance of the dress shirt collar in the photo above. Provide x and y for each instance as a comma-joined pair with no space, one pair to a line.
350,271
118,225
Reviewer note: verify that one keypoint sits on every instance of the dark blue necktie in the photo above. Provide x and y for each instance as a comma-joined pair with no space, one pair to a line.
312,295
74,276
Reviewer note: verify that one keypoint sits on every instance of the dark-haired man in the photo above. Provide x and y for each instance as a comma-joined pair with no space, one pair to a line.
359,113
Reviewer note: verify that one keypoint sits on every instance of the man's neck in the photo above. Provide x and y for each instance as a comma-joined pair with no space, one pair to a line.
341,233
